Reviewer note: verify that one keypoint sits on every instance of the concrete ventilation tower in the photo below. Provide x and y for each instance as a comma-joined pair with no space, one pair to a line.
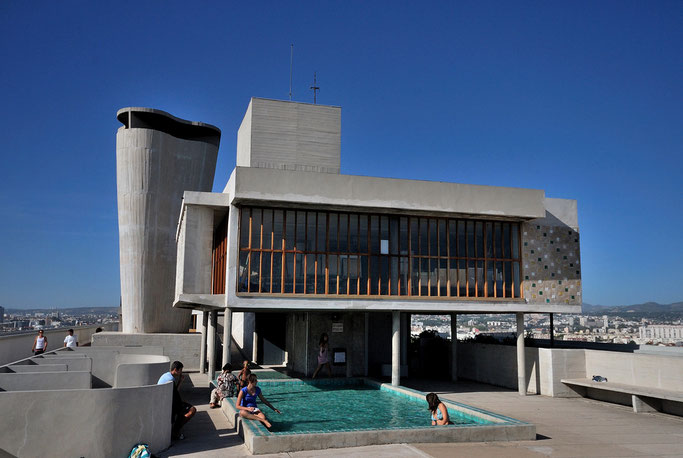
158,157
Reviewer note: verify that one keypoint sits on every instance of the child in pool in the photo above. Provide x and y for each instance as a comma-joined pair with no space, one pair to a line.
246,402
438,410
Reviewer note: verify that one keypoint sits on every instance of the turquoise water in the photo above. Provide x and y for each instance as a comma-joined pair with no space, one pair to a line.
323,407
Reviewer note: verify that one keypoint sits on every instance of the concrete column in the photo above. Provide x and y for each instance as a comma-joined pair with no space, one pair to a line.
227,336
254,347
396,349
454,347
202,350
405,334
211,344
521,360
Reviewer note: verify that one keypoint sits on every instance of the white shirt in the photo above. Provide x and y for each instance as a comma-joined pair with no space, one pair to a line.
71,341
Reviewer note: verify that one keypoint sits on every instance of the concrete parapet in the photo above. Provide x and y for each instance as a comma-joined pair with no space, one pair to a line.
32,381
180,347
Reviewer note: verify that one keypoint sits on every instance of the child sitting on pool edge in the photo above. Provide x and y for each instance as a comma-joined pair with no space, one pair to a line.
438,410
246,402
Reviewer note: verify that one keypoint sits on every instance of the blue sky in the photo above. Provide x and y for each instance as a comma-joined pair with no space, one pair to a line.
581,99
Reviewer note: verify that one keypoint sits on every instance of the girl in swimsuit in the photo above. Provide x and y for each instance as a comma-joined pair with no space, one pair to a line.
323,355
246,402
438,410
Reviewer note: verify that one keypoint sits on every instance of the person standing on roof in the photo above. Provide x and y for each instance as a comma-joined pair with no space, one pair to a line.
71,341
39,343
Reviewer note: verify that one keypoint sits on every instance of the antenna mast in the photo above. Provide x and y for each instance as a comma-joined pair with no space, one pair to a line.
315,88
291,63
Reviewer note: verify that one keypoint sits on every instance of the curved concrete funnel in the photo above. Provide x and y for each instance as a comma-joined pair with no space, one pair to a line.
158,157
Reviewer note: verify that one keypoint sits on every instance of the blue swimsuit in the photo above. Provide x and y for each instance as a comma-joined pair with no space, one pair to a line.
249,400
439,415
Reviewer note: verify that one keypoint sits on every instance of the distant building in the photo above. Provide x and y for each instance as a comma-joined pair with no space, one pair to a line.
2,314
662,333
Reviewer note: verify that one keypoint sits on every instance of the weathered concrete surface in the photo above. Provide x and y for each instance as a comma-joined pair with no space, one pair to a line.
14,347
93,423
278,134
139,370
153,169
181,347
32,381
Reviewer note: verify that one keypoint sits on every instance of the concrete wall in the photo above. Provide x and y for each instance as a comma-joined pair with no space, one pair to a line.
31,381
646,370
551,256
90,423
278,134
153,169
497,365
16,346
180,347
139,370
195,244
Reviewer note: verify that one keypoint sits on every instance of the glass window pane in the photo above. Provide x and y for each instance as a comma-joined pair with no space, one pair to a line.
506,241
470,239
471,279
363,234
489,240
403,248
332,234
384,275
352,267
299,274
256,228
454,277
479,235
290,224
462,250
480,279
516,279
322,233
443,238
289,273
253,272
415,277
424,237
343,273
374,274
498,241
452,237
462,274
244,228
508,279
414,240
384,235
300,230
515,241
343,233
443,277
267,228
433,277
353,233
311,231
364,275
320,273
489,279
332,271
374,234
243,283
424,277
393,276
265,272
310,272
433,240
403,266
277,272
278,227
393,235
499,279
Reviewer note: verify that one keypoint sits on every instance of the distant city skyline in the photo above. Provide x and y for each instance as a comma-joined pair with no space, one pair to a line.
582,100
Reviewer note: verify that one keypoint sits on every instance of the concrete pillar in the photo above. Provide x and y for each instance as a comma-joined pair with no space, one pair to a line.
396,349
211,344
521,360
454,347
202,350
552,331
227,336
254,347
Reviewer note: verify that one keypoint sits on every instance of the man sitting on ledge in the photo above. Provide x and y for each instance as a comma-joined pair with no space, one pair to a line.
181,412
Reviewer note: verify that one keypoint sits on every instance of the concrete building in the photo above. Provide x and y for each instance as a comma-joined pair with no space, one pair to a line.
158,157
664,334
292,248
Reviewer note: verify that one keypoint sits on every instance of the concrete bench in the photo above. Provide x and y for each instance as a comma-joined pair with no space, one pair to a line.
643,399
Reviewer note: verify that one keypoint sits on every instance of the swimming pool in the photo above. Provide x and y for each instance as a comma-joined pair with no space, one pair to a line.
354,412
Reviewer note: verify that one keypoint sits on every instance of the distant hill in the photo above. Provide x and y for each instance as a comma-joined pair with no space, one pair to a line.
647,307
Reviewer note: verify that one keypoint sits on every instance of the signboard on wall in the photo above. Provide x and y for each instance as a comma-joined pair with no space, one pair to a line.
338,327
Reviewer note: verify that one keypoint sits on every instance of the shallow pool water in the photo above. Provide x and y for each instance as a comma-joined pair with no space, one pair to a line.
315,407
